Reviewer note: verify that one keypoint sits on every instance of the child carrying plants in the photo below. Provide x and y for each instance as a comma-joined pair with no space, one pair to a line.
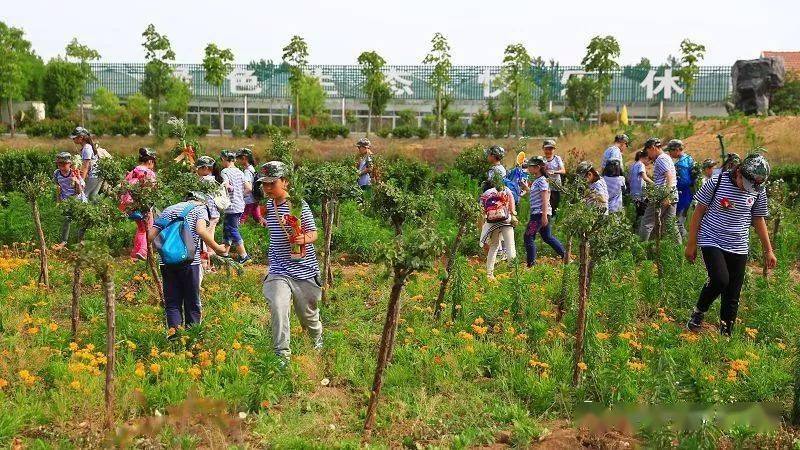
233,180
142,173
726,207
89,170
69,184
252,196
365,164
598,191
293,279
615,183
540,211
500,218
180,270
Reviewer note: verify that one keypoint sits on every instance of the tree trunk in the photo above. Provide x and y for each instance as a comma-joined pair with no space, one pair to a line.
151,264
583,292
44,271
11,121
369,115
326,282
76,294
108,290
82,113
384,351
437,307
686,104
221,116
297,115
562,298
439,112
516,112
659,265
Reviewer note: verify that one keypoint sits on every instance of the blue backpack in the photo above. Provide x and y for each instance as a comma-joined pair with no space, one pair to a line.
512,180
684,169
175,243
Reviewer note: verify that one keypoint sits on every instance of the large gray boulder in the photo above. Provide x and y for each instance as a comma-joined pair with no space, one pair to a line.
754,81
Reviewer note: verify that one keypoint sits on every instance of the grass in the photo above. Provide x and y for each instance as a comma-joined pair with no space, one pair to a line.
486,378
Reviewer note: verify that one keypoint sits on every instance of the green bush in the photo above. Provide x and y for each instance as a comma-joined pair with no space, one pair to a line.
264,129
422,132
122,129
196,130
330,131
790,173
384,132
407,118
409,174
538,125
403,132
16,165
456,129
472,162
237,131
141,130
55,128
683,130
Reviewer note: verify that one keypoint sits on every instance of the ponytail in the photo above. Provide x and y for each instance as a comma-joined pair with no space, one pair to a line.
88,140
216,172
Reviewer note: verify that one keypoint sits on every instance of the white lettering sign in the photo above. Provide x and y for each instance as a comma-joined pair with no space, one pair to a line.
485,79
666,84
326,81
244,81
398,84
183,74
566,76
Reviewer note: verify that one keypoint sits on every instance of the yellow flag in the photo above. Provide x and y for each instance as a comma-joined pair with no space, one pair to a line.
520,158
623,115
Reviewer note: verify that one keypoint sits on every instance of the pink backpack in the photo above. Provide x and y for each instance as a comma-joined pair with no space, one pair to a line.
496,206
134,177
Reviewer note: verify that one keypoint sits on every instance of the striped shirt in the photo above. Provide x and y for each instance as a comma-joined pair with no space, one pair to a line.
728,228
614,185
365,179
68,185
235,179
89,157
539,185
661,167
173,212
212,207
636,179
279,252
497,168
600,191
249,173
555,164
612,152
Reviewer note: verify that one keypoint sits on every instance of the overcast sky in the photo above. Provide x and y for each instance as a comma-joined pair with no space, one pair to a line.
478,31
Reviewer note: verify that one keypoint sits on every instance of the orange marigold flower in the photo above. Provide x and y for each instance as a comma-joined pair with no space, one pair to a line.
582,365
602,336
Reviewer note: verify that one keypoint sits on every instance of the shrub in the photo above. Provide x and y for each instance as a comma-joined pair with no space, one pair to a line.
683,130
407,118
790,173
330,131
122,128
141,130
403,132
196,130
384,132
56,128
422,132
264,129
409,174
538,126
237,131
472,162
455,129
609,117
17,165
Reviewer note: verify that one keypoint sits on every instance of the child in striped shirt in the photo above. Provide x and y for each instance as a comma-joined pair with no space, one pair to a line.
540,212
234,181
69,184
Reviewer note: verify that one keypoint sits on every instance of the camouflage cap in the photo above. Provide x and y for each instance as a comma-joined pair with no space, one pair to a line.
273,170
622,138
204,161
709,163
244,152
79,132
64,157
535,161
755,171
228,155
195,195
549,143
652,142
732,159
583,168
495,151
675,144
364,143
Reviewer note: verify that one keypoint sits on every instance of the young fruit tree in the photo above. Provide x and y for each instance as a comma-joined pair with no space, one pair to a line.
375,86
218,63
658,195
33,189
439,78
83,54
158,78
295,54
414,248
601,58
691,55
516,79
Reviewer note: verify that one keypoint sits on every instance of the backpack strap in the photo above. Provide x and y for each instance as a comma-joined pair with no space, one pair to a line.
716,188
188,210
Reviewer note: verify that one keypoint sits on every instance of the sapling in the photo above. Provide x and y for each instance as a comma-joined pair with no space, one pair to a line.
657,195
32,189
778,196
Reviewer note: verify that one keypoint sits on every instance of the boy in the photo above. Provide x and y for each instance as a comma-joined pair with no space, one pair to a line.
365,164
235,183
663,175
69,184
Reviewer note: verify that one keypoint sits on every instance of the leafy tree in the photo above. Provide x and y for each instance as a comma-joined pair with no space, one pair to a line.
601,54
582,97
33,189
375,86
786,100
83,54
105,103
15,56
177,98
691,55
311,96
515,77
139,108
63,87
295,55
218,63
158,78
439,79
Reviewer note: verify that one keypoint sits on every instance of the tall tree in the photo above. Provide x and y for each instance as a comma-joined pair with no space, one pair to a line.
516,79
691,55
82,54
439,79
158,78
375,87
14,51
218,63
295,55
63,87
601,58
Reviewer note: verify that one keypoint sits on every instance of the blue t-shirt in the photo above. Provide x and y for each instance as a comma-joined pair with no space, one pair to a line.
279,252
556,163
249,173
612,152
539,185
198,213
726,223
67,185
364,179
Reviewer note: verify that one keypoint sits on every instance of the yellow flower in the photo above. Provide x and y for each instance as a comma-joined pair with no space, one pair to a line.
479,330
131,346
220,357
155,368
521,337
53,326
409,330
752,332
689,337
731,375
635,344
655,326
466,336
73,346
434,331
627,335
582,365
171,331
154,352
139,371
469,348
32,330
637,366
244,370
26,377
75,385
740,365
250,349
781,345
236,345
194,372
478,321
711,378
602,336
3,383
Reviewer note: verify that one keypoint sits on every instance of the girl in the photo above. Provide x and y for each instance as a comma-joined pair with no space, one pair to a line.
708,170
143,173
597,186
726,207
233,180
83,139
205,166
494,155
290,281
251,205
500,214
69,184
615,182
555,169
541,211
365,164
637,178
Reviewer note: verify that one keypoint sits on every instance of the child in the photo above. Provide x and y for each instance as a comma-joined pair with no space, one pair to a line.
251,196
555,169
143,173
720,226
597,186
637,179
205,166
365,164
685,181
233,180
182,305
664,175
69,184
500,214
708,170
494,155
540,211
615,183
290,282
89,170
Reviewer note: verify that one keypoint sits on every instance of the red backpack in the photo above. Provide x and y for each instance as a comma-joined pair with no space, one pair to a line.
495,207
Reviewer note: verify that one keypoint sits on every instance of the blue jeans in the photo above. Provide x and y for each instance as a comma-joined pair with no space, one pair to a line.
181,294
535,226
230,229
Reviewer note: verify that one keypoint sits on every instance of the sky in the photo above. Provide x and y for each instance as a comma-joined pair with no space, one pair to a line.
400,30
